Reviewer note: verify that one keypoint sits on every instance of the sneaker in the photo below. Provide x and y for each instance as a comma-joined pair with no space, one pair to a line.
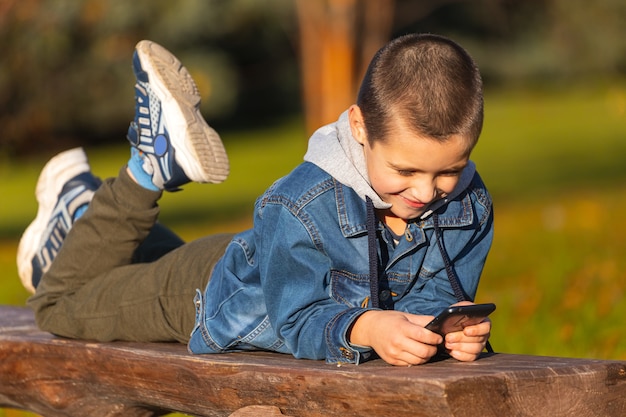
65,186
168,127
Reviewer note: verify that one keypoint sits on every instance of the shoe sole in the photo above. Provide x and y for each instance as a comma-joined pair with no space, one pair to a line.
199,149
55,174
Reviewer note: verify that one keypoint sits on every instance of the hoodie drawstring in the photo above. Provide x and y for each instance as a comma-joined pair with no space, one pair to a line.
373,260
372,252
373,257
452,276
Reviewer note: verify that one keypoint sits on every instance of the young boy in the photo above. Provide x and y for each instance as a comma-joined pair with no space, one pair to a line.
384,224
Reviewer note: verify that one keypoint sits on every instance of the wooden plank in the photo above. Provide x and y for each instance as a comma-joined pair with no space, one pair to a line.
60,377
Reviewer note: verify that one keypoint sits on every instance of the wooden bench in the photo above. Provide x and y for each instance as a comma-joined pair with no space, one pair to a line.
59,377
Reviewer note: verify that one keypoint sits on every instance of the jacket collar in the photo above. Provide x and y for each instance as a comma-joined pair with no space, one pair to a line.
352,215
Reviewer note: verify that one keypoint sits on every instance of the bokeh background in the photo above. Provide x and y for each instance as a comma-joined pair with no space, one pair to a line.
553,149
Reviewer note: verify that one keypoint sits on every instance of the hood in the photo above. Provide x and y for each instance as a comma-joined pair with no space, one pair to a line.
334,149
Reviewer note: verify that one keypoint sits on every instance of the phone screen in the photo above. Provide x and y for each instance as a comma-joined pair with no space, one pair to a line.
454,319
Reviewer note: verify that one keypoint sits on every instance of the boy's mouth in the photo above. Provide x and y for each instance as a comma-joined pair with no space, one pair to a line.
412,203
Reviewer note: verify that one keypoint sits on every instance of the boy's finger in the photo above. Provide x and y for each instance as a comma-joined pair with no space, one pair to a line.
463,356
481,329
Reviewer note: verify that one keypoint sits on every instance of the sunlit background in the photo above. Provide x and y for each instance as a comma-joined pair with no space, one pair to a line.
553,150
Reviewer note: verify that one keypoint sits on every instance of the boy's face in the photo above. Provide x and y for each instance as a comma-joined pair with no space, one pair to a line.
410,171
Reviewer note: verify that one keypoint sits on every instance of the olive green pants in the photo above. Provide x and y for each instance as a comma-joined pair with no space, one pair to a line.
120,275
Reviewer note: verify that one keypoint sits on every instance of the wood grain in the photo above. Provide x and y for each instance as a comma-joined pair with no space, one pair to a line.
53,376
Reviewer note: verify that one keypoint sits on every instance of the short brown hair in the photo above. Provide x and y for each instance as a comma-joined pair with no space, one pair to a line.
430,82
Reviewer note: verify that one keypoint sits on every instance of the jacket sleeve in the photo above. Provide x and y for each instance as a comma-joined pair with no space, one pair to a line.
295,274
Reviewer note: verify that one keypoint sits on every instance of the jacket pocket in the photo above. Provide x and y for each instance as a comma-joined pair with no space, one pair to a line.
350,289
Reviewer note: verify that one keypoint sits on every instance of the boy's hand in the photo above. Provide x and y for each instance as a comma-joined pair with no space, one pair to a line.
466,345
398,338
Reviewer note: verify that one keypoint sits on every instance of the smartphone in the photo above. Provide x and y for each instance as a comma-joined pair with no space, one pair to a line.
455,318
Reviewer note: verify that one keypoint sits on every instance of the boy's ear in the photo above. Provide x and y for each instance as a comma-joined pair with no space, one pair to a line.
357,126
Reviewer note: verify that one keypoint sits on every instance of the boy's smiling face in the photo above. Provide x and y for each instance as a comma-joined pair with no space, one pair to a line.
409,171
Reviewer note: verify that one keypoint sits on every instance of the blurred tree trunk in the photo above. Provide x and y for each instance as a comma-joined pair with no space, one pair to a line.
337,40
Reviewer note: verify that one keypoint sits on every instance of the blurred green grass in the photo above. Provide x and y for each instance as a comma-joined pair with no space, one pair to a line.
555,163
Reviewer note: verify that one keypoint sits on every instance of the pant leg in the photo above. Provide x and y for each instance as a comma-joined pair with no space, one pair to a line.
94,291
159,241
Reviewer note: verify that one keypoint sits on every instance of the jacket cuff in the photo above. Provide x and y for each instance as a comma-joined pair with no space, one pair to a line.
338,349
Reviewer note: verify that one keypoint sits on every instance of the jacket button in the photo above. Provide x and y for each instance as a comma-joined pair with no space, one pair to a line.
384,295
346,353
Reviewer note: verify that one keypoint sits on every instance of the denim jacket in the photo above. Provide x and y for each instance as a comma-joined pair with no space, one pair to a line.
297,281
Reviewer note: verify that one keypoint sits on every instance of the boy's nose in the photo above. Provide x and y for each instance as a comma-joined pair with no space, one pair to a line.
424,191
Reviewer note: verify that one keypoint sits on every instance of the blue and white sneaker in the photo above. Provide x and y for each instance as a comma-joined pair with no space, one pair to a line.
64,189
169,130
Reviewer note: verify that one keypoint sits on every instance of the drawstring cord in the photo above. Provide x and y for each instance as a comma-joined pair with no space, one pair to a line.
372,252
373,257
452,277
373,260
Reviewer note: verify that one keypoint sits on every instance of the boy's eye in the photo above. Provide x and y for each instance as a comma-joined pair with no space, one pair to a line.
405,173
451,173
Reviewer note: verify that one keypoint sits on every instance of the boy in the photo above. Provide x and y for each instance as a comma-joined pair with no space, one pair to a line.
384,224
